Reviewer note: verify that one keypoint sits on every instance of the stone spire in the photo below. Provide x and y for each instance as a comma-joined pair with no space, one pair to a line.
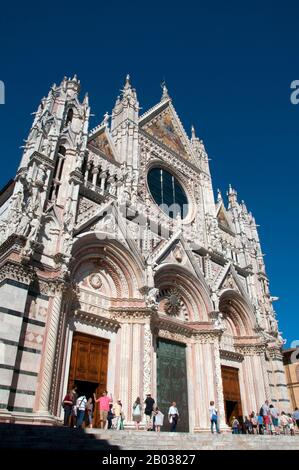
232,196
124,125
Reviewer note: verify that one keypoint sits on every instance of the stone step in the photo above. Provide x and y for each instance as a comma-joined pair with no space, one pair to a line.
130,440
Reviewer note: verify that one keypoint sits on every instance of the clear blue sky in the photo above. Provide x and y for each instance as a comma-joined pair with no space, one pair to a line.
228,67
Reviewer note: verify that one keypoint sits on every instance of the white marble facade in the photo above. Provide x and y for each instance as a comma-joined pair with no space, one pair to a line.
84,247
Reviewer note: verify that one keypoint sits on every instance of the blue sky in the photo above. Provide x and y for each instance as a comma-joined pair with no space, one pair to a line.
228,67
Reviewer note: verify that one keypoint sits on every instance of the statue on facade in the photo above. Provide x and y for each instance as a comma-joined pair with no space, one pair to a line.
151,298
218,322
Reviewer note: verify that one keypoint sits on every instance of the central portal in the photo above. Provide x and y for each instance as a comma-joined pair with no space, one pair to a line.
172,381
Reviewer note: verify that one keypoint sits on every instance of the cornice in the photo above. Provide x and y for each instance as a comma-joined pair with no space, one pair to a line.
231,355
95,320
17,272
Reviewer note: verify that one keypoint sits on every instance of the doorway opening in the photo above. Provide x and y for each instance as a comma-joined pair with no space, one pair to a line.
89,367
231,394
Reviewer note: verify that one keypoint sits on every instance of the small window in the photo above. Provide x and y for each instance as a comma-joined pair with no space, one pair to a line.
69,116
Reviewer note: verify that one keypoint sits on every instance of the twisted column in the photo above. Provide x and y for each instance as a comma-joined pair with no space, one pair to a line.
49,352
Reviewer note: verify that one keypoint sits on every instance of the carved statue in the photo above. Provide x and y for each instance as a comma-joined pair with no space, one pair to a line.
218,322
151,298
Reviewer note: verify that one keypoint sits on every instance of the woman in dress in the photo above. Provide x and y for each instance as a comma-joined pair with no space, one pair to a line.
159,418
137,410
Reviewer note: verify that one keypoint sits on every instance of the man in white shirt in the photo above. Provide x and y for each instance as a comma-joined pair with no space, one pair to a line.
213,412
81,405
173,416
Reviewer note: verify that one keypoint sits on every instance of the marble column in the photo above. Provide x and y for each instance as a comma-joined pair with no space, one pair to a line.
49,351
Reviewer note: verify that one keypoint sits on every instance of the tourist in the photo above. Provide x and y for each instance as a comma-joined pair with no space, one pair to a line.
74,393
81,406
67,405
110,416
103,402
254,423
89,412
265,413
291,424
118,417
274,418
284,423
213,413
159,418
137,410
173,416
247,426
149,405
296,416
235,425
260,421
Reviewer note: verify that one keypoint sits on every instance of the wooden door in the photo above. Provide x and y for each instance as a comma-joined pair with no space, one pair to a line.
89,363
231,393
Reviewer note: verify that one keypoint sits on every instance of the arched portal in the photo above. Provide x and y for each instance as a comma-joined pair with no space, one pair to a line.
241,357
182,302
107,281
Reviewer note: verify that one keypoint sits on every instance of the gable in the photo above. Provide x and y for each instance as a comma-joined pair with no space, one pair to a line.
223,218
101,143
163,123
163,129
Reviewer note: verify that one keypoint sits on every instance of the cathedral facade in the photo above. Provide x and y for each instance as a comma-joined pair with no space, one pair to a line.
121,272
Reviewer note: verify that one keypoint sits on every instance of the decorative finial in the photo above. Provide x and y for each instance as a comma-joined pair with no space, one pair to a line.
127,84
219,195
165,95
193,136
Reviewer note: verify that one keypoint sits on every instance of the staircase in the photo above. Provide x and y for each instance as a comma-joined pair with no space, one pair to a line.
79,443
49,438
146,440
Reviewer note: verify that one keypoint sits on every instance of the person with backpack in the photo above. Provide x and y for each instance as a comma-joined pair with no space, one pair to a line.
137,410
67,405
235,425
213,412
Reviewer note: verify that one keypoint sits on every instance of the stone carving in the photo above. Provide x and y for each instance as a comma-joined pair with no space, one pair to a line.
218,322
173,303
151,298
95,281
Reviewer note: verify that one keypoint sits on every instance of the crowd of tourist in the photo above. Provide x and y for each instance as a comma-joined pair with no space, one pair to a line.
79,411
269,420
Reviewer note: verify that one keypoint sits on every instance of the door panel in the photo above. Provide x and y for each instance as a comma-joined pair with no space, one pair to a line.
89,360
172,381
231,393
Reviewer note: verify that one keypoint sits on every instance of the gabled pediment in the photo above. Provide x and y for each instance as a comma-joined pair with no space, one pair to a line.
229,279
223,218
163,123
177,252
101,142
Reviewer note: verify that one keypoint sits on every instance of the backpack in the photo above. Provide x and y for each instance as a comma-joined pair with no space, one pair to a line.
261,413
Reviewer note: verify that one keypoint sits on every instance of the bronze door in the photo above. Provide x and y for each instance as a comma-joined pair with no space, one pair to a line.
172,382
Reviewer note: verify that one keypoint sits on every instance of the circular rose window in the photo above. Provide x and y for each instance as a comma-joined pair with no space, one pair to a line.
167,193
